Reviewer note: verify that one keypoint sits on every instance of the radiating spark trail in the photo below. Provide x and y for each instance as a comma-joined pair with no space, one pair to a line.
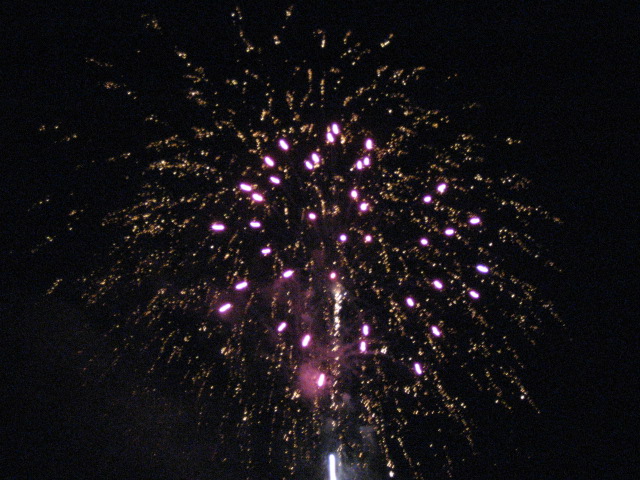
321,251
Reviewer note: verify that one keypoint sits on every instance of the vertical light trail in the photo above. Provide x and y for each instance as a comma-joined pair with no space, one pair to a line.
338,296
332,467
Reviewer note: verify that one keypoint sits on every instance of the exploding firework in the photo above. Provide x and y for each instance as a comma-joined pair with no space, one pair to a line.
323,260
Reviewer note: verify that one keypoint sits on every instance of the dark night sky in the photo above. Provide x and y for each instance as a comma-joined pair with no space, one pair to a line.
557,77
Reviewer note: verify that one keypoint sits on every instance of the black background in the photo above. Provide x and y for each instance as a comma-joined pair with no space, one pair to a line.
555,74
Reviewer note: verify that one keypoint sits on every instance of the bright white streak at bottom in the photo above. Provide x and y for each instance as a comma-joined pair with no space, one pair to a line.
332,467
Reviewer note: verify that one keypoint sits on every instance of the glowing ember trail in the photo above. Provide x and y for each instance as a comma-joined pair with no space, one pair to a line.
482,268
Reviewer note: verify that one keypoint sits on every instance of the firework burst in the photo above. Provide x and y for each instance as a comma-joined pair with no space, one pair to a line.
322,259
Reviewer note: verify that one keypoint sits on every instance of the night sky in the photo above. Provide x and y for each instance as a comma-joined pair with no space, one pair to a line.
554,76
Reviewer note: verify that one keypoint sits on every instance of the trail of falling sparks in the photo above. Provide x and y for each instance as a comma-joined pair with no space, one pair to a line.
340,267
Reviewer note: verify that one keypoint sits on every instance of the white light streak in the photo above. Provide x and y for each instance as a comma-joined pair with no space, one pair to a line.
332,467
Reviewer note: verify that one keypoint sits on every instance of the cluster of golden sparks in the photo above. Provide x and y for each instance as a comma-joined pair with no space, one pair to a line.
314,268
